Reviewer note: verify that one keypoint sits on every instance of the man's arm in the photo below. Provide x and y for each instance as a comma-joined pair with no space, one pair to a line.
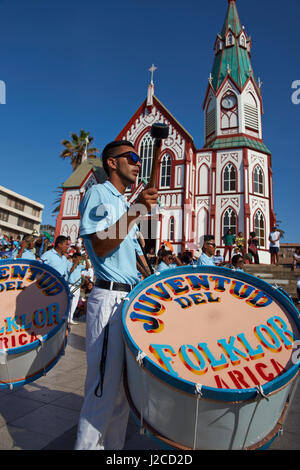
103,243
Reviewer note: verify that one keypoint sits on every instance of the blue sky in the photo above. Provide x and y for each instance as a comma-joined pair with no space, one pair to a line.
73,64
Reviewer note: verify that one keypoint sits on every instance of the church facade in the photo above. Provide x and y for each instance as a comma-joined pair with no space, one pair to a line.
225,185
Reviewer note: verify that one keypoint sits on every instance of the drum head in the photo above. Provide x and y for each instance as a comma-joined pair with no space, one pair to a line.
226,331
34,304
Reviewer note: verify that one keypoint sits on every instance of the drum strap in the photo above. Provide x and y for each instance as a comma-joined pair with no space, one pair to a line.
99,387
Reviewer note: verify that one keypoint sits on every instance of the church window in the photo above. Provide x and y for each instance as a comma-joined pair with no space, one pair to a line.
166,169
259,228
210,121
229,178
230,40
172,229
258,180
229,221
251,113
203,180
146,154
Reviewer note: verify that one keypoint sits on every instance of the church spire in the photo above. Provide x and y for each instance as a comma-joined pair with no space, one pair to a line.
232,49
150,93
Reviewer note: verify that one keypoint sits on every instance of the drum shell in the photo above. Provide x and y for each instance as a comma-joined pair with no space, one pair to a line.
221,425
221,418
31,363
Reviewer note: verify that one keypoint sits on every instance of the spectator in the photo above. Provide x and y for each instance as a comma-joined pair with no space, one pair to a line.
208,251
168,261
85,291
274,239
237,263
241,243
151,256
253,247
229,241
218,258
296,259
25,250
298,290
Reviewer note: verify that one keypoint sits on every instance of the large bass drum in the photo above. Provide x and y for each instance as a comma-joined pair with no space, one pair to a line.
211,358
34,305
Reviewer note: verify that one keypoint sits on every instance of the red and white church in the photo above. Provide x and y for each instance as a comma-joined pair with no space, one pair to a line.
225,185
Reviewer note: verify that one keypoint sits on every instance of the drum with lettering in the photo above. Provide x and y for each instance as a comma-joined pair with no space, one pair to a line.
211,358
34,304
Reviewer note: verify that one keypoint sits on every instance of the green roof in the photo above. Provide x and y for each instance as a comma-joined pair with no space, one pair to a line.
236,56
78,176
239,141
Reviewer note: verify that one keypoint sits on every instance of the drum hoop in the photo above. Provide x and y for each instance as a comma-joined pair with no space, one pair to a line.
229,395
39,373
207,398
60,278
266,440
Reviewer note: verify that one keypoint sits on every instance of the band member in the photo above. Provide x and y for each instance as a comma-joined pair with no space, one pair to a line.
110,235
25,250
56,257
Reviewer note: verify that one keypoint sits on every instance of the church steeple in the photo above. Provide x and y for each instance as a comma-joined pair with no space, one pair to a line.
232,51
233,103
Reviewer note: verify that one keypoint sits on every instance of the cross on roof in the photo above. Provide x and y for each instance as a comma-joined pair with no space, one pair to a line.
152,70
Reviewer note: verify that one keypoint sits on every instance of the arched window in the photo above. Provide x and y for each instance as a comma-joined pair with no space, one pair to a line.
259,228
229,178
258,180
229,221
203,180
172,229
146,154
166,169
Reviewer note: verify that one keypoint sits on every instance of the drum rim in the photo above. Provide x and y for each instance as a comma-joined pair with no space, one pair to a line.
42,339
190,387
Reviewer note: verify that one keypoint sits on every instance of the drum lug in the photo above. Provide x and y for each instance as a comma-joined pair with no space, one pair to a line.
280,432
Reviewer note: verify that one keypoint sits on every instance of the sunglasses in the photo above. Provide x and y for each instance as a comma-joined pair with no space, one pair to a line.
211,244
133,157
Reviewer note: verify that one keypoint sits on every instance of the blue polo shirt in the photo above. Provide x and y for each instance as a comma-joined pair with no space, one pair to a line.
205,260
101,207
60,263
27,254
76,274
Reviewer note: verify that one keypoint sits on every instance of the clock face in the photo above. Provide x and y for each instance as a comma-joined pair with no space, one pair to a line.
229,102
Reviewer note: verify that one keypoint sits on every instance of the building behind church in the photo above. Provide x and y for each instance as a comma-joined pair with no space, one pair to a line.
225,185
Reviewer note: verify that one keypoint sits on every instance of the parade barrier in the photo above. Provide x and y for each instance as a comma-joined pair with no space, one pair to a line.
210,358
34,304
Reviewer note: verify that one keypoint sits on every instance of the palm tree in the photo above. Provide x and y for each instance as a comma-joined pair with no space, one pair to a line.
76,148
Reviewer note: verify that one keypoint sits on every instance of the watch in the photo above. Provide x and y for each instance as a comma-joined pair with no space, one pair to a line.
229,102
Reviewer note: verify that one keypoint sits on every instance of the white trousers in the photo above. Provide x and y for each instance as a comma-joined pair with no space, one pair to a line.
73,303
103,420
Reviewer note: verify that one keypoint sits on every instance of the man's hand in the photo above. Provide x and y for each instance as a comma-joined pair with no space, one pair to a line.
148,197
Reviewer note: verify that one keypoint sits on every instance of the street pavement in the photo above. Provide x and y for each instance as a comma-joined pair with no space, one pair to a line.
43,415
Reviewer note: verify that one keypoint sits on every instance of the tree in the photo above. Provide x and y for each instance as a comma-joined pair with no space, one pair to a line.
57,201
77,147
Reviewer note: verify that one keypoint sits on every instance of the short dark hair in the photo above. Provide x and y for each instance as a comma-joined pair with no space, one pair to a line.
60,239
112,145
208,238
235,259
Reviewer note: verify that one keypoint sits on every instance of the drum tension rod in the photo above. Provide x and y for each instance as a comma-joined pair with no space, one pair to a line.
261,392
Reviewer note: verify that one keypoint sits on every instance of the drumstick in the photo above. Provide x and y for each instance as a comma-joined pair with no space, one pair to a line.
159,131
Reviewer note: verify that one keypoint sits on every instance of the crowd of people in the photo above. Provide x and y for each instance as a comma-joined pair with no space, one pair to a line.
70,260
114,261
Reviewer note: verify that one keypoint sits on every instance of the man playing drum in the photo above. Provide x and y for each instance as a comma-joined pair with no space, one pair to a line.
109,233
